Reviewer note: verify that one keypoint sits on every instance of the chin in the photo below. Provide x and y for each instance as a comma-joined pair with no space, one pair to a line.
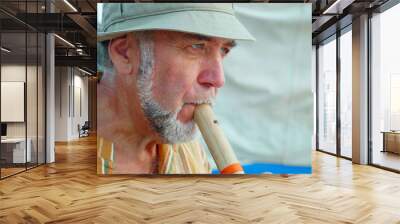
181,132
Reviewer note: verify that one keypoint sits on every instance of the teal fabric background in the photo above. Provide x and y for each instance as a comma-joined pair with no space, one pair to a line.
266,105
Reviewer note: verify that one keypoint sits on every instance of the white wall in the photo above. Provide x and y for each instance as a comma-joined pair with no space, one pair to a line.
13,100
80,88
12,73
70,83
33,127
61,103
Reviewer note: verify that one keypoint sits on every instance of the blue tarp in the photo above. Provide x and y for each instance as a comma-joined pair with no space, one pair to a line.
259,168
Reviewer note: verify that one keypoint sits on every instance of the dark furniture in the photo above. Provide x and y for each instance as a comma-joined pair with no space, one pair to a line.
84,130
391,141
3,129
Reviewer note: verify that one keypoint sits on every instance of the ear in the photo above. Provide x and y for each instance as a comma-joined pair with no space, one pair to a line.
118,51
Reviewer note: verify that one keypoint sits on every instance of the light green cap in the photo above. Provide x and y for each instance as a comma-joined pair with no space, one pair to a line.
209,19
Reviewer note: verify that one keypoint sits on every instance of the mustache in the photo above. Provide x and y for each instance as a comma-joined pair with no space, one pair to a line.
210,100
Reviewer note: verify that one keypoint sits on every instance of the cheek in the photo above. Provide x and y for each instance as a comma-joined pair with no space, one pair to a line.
173,81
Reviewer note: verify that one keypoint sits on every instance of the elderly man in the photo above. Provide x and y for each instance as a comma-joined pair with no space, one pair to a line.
159,62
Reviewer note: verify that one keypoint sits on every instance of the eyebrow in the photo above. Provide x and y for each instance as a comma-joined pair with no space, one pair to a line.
197,37
231,43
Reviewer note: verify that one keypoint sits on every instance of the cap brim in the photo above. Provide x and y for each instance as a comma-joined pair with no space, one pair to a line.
213,24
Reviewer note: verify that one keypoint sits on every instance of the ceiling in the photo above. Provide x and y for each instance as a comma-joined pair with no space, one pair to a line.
329,16
74,22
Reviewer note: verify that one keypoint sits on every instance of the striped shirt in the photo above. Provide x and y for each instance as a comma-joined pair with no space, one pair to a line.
184,158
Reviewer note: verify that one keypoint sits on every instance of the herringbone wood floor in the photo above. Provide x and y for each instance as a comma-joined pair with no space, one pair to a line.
69,191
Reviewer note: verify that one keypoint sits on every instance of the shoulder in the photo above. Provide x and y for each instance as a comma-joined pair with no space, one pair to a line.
189,158
105,156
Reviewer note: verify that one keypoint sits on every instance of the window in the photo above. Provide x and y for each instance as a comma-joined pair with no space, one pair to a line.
346,94
327,97
385,89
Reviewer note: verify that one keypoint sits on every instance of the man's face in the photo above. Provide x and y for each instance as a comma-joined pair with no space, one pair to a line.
184,70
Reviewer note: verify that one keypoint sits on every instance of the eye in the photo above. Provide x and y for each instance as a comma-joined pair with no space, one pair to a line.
197,46
224,50
196,49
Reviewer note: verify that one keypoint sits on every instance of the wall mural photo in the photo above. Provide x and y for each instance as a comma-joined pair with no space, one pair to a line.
188,88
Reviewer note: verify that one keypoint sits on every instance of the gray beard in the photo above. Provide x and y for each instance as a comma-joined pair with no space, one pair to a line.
164,122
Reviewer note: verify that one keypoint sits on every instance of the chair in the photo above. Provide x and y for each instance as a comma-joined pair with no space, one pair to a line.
84,130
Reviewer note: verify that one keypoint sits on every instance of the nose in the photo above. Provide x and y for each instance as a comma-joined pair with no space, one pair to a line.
212,73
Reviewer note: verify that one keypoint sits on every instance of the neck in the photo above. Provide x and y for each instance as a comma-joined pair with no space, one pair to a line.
123,123
135,159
